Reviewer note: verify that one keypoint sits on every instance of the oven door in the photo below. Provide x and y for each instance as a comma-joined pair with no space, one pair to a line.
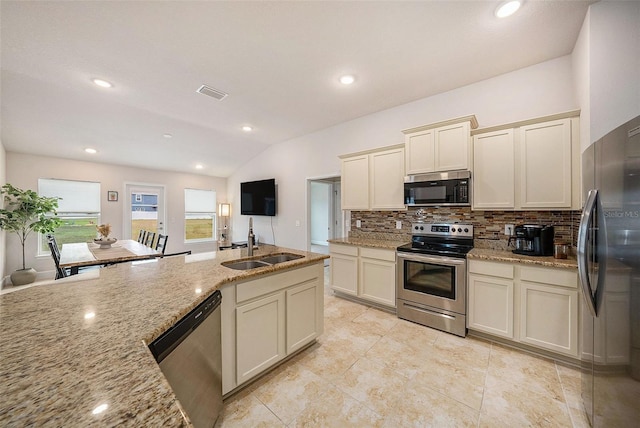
436,281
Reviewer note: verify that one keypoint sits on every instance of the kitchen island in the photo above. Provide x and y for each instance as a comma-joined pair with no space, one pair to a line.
69,349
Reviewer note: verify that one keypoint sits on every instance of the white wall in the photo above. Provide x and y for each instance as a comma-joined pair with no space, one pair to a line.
581,74
24,170
614,28
320,193
534,91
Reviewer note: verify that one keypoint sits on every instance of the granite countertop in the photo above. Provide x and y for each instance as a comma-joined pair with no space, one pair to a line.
369,242
508,256
57,364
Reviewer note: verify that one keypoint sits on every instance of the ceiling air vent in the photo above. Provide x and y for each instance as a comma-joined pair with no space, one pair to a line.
212,92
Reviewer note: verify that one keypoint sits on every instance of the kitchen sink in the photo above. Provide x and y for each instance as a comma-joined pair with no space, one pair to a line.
280,258
269,260
245,264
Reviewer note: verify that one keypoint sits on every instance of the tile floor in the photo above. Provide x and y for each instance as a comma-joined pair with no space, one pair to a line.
371,369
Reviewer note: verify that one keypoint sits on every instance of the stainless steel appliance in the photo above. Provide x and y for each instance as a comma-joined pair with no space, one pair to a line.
189,355
431,281
534,240
609,268
438,189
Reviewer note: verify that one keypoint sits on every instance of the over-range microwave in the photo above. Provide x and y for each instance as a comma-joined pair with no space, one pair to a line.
451,188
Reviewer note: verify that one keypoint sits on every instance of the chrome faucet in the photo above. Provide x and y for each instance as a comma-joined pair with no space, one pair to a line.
251,238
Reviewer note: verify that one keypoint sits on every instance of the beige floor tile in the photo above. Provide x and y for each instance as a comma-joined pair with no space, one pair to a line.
517,406
376,321
337,409
327,361
571,386
463,351
398,356
527,371
349,337
374,385
413,334
248,412
290,391
421,406
341,309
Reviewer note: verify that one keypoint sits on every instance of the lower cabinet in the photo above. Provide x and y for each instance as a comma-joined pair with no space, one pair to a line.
363,272
265,320
537,306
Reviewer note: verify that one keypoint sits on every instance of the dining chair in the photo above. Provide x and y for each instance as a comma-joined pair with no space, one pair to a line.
149,239
161,243
60,272
142,236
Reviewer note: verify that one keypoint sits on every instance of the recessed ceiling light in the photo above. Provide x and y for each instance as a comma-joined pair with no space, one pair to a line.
247,128
167,136
199,166
347,79
508,8
102,83
90,150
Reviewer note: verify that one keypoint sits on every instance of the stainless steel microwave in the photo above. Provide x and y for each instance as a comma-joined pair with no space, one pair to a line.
451,188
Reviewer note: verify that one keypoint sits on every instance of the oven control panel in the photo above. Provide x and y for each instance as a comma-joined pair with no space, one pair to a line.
443,229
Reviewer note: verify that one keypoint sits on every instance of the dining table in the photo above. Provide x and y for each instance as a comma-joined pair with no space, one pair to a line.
77,255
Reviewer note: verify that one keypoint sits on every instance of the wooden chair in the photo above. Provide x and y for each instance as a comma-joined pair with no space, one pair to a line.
142,236
149,239
161,243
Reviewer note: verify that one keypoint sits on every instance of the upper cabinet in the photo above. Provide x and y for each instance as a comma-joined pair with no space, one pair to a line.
373,180
529,165
443,146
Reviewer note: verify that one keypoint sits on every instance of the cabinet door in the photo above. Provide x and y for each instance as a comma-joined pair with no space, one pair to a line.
545,165
419,150
344,273
387,179
452,147
378,280
355,183
491,305
302,315
549,317
260,335
493,170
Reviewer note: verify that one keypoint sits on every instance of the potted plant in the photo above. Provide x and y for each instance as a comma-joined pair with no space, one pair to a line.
24,212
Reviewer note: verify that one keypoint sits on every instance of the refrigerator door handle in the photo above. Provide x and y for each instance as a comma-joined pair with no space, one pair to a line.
583,255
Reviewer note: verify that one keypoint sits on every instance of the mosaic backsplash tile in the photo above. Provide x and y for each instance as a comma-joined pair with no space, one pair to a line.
488,225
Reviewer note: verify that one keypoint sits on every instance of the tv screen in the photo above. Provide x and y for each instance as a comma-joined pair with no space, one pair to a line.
258,197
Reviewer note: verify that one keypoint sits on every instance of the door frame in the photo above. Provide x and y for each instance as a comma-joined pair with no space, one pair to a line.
162,205
333,205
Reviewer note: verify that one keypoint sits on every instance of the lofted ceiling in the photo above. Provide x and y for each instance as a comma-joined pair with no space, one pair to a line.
279,62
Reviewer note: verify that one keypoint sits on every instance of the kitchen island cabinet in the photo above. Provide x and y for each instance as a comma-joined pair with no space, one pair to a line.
532,305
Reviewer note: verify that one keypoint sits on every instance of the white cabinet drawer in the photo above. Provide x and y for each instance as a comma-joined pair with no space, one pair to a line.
502,270
379,254
561,277
266,285
347,250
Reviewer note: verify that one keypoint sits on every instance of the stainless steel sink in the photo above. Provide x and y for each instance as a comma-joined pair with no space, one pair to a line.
280,258
245,264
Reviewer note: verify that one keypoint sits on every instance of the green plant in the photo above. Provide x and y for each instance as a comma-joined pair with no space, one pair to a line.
25,211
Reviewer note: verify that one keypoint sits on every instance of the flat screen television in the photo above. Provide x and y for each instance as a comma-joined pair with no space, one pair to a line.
258,197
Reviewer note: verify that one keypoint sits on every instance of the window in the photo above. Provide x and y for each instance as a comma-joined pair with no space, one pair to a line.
78,209
199,215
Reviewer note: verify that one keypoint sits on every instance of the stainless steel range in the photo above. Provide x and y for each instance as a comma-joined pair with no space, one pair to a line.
432,276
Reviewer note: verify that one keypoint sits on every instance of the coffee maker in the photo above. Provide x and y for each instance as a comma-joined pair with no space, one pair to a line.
534,240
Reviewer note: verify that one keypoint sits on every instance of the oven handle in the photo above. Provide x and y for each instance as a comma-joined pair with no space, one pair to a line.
441,260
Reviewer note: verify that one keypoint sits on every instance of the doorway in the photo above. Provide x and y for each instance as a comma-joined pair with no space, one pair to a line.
144,209
325,213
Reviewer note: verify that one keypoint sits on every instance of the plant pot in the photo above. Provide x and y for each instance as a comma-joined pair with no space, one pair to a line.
23,276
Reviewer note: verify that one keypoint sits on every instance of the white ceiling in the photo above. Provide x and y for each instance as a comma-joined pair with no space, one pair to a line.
278,61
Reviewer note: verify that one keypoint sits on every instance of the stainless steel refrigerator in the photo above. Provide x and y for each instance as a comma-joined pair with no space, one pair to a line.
609,268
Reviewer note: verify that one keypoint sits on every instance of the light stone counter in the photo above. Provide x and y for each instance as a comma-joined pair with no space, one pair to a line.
508,256
367,242
57,365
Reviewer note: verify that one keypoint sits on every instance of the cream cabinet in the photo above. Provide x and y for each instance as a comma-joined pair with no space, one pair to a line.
366,273
265,320
528,165
490,298
443,146
535,306
373,180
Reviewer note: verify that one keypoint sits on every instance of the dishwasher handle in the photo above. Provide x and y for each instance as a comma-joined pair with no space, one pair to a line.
167,342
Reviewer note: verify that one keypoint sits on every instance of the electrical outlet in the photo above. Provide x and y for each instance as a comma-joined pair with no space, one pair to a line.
358,223
297,223
508,229
398,224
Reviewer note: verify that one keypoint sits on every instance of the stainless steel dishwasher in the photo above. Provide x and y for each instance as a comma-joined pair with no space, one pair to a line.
190,357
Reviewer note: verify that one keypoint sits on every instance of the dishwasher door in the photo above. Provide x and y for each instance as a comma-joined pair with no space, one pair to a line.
189,355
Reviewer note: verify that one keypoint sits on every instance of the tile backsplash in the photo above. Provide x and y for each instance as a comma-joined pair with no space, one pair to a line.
488,225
